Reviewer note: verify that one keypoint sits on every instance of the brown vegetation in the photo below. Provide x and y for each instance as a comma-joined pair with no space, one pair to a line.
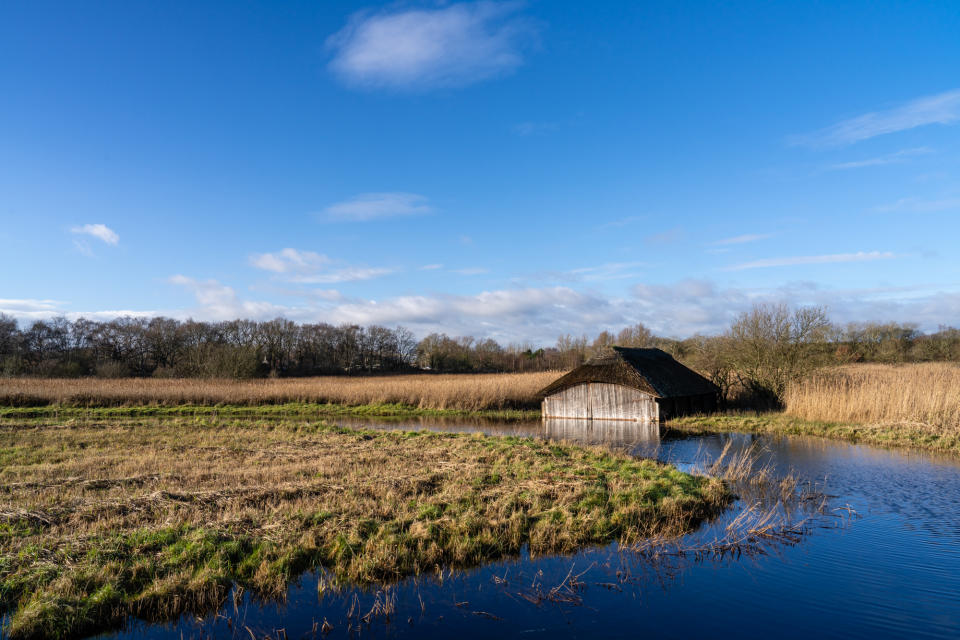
465,392
104,519
926,395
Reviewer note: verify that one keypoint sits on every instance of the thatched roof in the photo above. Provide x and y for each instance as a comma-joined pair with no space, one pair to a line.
650,370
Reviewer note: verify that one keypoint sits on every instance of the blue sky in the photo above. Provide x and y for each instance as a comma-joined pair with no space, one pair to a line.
512,170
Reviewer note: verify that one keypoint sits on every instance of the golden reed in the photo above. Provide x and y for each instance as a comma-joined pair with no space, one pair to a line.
925,394
465,392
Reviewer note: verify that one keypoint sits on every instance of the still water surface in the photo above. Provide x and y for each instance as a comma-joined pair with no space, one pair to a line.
891,572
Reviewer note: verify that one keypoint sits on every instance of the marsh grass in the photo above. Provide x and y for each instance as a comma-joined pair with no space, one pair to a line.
941,439
912,405
772,511
465,392
101,519
302,410
920,396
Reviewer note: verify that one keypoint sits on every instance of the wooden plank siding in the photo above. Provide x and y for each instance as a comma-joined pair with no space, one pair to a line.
602,401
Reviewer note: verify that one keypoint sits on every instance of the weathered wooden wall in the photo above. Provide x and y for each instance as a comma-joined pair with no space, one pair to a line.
601,401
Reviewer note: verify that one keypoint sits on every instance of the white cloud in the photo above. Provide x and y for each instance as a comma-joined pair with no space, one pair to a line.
607,271
289,261
370,206
540,315
943,108
219,302
687,307
331,295
308,267
346,274
890,158
919,205
860,256
29,310
99,231
749,237
418,49
506,315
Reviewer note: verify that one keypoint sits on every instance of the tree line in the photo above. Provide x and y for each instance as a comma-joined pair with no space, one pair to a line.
761,352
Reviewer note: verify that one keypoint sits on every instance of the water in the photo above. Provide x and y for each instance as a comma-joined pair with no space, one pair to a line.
891,572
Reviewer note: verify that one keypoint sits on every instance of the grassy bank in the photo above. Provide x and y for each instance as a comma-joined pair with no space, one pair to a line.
468,392
904,434
154,516
277,411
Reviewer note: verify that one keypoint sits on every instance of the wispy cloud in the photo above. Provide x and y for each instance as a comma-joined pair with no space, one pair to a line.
943,108
290,261
533,128
606,271
99,231
371,206
538,315
28,307
345,274
860,256
308,267
891,158
919,205
665,237
744,239
622,222
418,49
431,267
220,302
472,271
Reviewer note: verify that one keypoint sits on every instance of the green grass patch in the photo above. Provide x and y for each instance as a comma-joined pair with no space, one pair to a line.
912,435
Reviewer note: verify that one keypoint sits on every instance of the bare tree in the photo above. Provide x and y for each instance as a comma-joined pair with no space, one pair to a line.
771,346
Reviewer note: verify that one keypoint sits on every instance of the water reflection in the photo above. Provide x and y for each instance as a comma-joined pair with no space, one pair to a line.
615,432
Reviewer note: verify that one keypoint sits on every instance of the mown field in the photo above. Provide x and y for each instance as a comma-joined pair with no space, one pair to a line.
105,518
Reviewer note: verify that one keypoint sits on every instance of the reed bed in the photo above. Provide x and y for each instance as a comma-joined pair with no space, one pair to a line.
922,395
463,392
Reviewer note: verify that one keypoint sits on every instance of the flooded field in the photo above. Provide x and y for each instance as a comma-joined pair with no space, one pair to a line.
880,559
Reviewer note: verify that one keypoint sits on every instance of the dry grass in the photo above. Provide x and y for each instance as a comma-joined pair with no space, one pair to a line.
911,405
100,519
466,392
923,395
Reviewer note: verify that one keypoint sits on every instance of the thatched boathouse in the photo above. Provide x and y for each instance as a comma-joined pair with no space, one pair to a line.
629,384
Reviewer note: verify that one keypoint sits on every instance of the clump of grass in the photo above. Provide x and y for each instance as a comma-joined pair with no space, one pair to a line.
101,519
467,392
